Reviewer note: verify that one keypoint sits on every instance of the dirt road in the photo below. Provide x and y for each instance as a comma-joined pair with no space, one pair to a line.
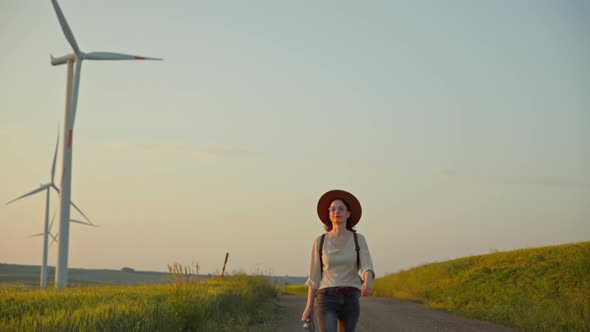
383,314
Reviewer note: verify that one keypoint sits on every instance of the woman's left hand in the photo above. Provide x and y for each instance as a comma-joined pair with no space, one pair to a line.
366,289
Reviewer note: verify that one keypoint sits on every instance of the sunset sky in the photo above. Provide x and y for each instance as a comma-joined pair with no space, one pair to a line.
463,127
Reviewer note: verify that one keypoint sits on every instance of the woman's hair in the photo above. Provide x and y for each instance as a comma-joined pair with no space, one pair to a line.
329,226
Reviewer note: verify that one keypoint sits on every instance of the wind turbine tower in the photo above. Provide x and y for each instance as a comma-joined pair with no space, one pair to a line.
72,87
47,227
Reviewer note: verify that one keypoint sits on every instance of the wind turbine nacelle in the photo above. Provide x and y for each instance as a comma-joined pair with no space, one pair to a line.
63,59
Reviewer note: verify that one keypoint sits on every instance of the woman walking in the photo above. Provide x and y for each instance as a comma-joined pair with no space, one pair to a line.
337,258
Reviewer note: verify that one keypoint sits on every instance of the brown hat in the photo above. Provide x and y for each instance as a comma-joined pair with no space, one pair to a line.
353,204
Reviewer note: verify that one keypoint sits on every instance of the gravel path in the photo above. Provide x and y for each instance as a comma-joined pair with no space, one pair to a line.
384,314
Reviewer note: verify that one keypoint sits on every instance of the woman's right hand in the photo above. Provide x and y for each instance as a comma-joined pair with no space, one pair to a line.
306,313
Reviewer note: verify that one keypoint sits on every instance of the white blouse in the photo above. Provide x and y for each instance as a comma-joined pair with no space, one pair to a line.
340,268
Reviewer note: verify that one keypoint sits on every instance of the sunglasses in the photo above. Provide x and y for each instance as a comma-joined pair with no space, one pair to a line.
340,209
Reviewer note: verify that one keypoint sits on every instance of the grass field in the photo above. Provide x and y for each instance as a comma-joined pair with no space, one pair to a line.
293,289
229,304
540,289
27,276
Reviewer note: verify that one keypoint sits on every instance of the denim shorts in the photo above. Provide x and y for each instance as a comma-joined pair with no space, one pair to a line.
337,306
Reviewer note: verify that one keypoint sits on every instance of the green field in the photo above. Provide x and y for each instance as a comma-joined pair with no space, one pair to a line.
28,276
230,304
540,289
293,289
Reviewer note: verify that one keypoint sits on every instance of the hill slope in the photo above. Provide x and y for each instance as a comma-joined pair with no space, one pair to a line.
539,289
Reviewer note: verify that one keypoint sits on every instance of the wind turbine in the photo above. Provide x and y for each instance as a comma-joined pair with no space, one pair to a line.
47,233
47,187
72,87
56,236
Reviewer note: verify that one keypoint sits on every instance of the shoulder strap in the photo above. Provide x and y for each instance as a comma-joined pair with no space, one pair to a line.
358,249
320,252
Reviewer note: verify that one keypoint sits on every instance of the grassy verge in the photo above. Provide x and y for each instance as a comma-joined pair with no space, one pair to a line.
540,289
293,289
230,304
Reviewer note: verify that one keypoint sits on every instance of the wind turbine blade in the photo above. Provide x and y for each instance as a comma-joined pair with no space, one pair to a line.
51,223
82,213
82,223
65,27
55,156
115,56
43,187
38,234
54,239
55,187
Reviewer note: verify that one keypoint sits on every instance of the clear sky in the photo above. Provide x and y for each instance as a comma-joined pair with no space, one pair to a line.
462,127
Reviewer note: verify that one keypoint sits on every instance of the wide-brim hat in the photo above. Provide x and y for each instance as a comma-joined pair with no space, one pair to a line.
354,206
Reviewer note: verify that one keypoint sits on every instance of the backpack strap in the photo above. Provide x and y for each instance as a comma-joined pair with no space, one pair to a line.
358,249
320,252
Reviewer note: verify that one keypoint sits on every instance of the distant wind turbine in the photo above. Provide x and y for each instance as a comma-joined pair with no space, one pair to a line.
49,234
56,236
72,87
47,187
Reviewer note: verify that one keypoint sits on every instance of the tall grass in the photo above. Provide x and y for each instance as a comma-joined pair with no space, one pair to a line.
540,289
229,304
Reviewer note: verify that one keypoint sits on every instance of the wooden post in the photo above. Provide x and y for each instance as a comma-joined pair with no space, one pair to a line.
224,263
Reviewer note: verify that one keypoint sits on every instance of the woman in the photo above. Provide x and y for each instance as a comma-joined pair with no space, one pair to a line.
334,281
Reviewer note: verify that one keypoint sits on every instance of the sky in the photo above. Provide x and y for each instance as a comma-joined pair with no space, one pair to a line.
463,127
